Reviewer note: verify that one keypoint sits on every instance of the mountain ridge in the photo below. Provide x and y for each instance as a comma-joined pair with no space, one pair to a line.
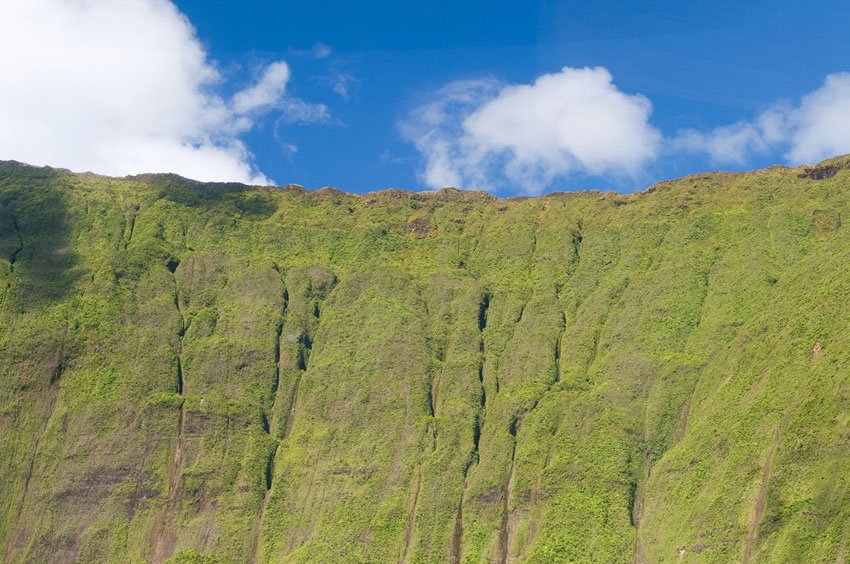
831,164
216,373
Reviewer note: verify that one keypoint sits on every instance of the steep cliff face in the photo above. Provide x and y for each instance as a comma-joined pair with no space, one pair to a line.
210,373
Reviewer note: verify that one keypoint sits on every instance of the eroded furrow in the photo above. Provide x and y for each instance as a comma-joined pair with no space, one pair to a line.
614,300
164,536
131,226
533,252
435,375
477,241
636,509
53,392
761,500
269,471
457,535
302,362
276,379
686,409
304,295
517,321
681,428
483,308
268,479
558,369
13,257
683,420
577,238
507,493
411,515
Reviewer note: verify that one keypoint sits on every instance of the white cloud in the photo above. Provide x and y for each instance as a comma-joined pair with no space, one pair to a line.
736,143
122,87
487,134
436,130
270,93
815,129
266,92
822,121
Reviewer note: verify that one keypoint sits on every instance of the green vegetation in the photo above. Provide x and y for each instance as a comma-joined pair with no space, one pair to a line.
214,373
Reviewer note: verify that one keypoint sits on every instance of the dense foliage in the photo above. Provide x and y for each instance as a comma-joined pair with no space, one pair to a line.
214,373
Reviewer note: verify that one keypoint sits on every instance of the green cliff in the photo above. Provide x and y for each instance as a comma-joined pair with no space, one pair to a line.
215,373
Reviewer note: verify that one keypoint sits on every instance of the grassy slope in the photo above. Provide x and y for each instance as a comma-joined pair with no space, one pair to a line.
215,373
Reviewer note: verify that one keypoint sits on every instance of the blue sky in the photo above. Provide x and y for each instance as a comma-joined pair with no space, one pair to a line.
513,97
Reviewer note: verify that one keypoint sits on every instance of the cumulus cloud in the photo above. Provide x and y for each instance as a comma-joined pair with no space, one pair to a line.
821,123
488,134
123,87
816,128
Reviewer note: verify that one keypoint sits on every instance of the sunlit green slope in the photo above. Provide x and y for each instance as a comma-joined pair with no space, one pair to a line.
215,373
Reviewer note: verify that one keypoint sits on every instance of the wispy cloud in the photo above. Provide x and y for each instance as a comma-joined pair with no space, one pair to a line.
126,87
294,110
321,51
317,51
341,84
266,92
